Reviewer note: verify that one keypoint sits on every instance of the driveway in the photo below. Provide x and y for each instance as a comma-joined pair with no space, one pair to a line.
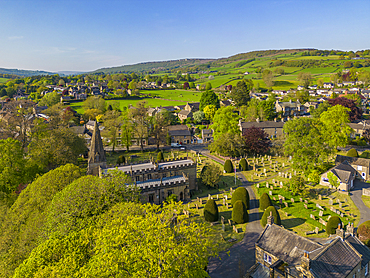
356,194
242,254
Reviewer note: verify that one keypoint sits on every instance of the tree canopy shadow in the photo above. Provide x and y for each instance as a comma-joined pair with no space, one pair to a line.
292,222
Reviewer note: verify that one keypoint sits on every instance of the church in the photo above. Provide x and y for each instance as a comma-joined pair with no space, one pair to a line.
157,180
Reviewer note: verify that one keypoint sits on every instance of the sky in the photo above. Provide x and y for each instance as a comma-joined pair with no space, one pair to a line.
67,35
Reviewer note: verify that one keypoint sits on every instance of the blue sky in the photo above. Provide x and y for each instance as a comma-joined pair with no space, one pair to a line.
87,35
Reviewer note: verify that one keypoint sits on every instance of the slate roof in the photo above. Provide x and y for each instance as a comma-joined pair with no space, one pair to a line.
337,259
185,113
157,182
284,244
344,171
360,248
180,132
266,124
353,160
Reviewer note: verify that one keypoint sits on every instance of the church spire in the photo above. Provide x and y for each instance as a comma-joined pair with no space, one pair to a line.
96,154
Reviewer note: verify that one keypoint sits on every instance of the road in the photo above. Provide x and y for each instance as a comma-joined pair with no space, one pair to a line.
356,194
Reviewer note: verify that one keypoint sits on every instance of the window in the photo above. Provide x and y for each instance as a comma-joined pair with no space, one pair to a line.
267,258
363,174
366,268
151,198
359,168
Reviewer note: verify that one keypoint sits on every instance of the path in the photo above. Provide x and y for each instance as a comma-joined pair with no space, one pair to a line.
242,254
356,194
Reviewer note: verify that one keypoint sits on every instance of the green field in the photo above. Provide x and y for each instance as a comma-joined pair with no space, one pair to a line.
3,80
178,95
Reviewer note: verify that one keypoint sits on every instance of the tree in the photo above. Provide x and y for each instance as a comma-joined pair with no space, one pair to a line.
199,116
265,201
240,94
243,164
239,213
267,77
324,106
94,103
53,148
296,185
23,227
209,111
12,165
363,232
347,64
354,114
211,211
208,86
332,225
266,214
140,122
305,78
240,194
228,144
333,180
208,98
158,128
186,85
336,128
228,166
256,141
160,157
210,175
305,143
126,232
112,122
225,120
50,99
126,131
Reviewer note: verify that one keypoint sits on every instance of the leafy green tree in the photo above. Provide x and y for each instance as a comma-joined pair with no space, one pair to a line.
336,128
240,93
305,78
228,166
352,153
332,225
123,234
208,98
126,131
94,103
140,122
240,194
208,86
239,213
243,164
306,144
160,157
265,201
199,116
12,165
320,109
228,144
296,185
50,99
158,128
171,199
22,229
275,214
211,175
112,122
209,111
225,120
211,211
363,232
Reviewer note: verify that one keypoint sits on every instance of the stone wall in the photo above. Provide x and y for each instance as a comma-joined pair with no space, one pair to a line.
365,192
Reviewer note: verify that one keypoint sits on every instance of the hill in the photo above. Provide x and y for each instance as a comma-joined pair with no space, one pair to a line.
24,73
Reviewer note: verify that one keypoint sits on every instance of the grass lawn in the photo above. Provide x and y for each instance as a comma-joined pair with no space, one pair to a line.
3,80
179,95
366,200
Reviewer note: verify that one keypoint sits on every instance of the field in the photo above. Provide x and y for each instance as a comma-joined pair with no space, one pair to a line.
3,80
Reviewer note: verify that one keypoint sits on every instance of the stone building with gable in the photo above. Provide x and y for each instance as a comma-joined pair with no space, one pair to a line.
282,253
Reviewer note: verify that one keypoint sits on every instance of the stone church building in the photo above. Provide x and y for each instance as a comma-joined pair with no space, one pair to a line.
157,180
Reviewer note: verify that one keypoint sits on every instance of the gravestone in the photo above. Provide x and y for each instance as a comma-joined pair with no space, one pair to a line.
226,197
340,205
290,175
230,222
271,187
270,192
329,217
306,201
320,197
224,202
300,199
227,205
292,200
331,202
258,185
222,220
305,206
217,197
196,205
209,196
281,183
321,213
223,227
274,198
267,185
286,204
338,201
317,230
341,214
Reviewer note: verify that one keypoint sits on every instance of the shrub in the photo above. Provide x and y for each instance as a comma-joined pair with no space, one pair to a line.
365,154
211,211
239,214
363,232
171,199
243,164
228,166
275,214
240,194
160,157
265,201
332,225
121,159
352,153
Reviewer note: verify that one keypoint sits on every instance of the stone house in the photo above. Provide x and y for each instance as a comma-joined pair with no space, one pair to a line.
157,181
274,129
344,173
185,114
282,253
207,135
328,85
180,134
289,108
360,165
192,107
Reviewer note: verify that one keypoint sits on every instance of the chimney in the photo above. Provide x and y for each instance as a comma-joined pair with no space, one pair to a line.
290,101
340,232
270,219
350,229
275,120
305,261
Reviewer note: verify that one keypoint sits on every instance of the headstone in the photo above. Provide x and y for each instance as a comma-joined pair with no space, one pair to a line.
224,202
222,219
279,174
306,201
281,183
217,197
317,230
341,214
281,186
227,205
290,175
198,199
286,204
329,217
196,205
331,202
209,196
264,170
273,180
226,197
300,199
283,164
230,222
267,184
338,201
271,187
305,206
223,227
321,213
235,229
274,198
292,200
270,192
258,185
340,205
320,197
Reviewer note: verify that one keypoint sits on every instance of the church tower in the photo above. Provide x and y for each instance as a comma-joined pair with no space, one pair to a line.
96,155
